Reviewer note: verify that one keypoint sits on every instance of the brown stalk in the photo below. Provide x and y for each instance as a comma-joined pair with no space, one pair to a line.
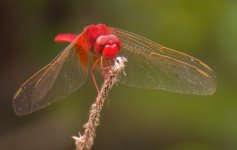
85,141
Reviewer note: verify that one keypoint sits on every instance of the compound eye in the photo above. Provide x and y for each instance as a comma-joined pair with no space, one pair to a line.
113,39
100,42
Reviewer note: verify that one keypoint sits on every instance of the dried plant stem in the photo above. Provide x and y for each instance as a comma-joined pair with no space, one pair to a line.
85,141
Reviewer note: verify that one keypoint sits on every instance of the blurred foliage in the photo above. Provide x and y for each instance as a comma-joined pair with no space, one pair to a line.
134,118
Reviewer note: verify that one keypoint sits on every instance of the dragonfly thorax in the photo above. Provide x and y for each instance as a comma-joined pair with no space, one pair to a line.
107,46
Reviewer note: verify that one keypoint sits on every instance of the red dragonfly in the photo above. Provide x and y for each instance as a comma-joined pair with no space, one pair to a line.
150,65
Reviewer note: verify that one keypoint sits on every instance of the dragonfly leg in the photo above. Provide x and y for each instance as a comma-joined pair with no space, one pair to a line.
104,68
101,67
92,74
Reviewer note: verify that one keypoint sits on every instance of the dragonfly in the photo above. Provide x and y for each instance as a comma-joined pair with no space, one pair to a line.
150,65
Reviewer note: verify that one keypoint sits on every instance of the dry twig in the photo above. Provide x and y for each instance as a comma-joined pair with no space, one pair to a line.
85,141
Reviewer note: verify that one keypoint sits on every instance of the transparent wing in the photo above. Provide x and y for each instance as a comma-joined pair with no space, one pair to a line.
151,65
58,79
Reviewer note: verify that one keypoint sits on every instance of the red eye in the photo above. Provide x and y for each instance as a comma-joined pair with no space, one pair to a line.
100,43
106,40
113,38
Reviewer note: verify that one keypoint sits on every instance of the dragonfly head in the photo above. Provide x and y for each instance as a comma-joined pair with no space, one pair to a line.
107,46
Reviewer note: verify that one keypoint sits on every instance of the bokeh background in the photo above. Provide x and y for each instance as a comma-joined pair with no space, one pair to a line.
133,118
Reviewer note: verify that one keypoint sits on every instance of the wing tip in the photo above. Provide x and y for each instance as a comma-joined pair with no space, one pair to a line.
19,109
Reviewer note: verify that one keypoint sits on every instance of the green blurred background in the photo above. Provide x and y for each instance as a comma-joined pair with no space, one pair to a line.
133,118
